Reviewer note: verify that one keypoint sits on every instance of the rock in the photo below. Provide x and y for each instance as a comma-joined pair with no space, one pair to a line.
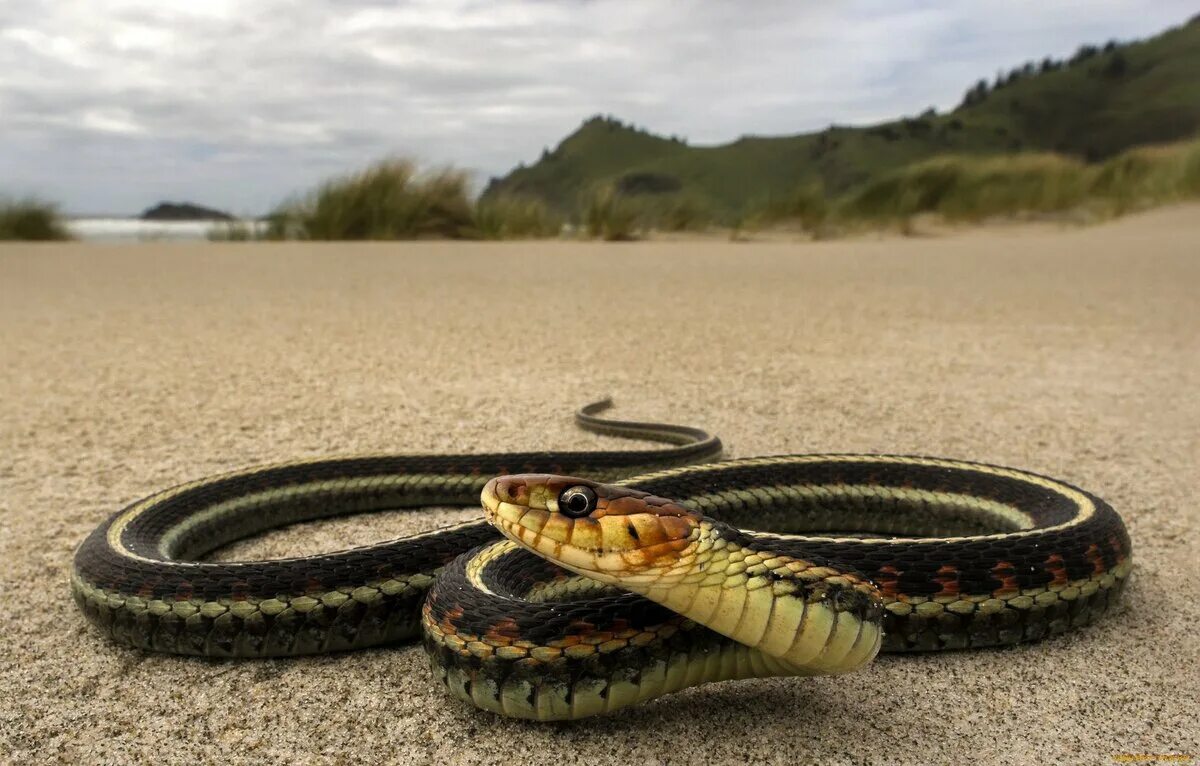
183,211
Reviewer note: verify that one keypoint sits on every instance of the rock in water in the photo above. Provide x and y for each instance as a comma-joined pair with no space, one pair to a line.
183,211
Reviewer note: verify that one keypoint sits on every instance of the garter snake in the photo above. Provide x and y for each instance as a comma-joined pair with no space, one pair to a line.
655,572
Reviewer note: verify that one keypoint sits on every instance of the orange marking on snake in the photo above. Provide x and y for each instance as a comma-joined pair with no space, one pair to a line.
1057,570
948,579
888,581
1003,573
503,632
446,624
1115,544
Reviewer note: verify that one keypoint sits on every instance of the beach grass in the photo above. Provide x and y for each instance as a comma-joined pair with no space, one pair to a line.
236,231
31,220
974,189
680,213
392,200
960,188
387,201
1149,176
807,207
607,214
514,217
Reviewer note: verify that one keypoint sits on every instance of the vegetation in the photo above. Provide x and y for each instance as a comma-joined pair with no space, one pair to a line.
1148,176
961,188
614,215
806,207
680,213
1102,101
964,188
237,231
31,220
609,215
510,217
388,200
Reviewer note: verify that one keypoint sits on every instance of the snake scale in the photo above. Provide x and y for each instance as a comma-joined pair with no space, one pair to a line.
649,572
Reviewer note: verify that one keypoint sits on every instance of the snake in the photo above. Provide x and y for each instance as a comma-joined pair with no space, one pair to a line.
599,580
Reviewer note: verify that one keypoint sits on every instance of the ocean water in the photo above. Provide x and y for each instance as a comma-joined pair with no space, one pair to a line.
137,230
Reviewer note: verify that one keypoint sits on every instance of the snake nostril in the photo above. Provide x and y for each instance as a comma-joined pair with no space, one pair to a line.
512,491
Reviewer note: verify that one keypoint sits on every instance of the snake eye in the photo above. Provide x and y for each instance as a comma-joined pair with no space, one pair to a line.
577,502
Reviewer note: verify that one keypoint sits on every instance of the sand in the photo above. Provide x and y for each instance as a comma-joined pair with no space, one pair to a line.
1071,352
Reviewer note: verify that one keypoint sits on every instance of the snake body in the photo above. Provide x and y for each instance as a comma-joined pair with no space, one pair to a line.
668,579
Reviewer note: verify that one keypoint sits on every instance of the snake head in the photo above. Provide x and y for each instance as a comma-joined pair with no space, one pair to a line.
595,529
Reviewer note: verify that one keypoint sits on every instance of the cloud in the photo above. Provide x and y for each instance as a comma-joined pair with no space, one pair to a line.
109,107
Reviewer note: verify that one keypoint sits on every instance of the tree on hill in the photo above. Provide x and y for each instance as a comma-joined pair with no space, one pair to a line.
1116,67
976,94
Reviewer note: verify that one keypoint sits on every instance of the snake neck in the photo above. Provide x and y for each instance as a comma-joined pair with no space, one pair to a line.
816,618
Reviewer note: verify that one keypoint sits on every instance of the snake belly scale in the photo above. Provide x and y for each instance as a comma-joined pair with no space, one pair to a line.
651,572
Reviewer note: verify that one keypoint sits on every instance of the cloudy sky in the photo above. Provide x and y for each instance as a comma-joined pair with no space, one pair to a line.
108,107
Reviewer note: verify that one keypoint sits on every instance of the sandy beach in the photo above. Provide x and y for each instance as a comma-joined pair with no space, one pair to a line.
128,368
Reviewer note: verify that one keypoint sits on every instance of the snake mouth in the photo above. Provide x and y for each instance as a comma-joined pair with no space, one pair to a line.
520,507
523,509
508,498
491,502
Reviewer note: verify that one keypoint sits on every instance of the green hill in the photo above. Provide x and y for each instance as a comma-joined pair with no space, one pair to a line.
1101,101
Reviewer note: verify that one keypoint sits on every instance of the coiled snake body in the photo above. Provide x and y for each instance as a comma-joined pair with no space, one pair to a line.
601,595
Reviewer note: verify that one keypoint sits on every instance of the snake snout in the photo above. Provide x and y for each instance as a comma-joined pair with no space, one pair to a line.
506,489
504,496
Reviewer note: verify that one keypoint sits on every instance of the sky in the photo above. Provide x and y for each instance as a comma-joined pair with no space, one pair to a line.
108,108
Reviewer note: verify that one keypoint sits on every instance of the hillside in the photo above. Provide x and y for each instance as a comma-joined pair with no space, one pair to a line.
1100,102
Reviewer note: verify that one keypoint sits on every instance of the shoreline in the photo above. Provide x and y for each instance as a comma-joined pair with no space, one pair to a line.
117,230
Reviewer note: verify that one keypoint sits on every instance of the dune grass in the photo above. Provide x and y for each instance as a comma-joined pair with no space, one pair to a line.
679,213
387,201
391,200
606,214
807,207
1148,176
31,220
513,217
237,231
972,189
